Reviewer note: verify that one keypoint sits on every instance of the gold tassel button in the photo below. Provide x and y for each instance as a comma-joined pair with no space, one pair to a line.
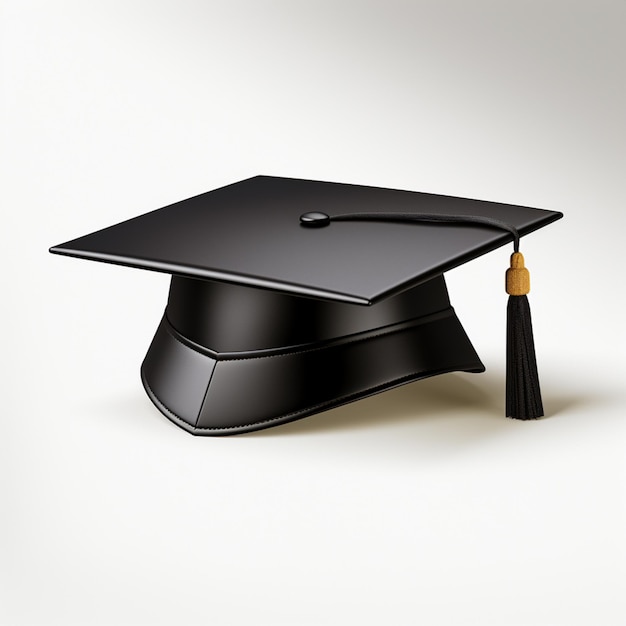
517,276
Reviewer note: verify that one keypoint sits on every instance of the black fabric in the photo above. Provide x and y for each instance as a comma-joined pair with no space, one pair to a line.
250,234
523,395
269,320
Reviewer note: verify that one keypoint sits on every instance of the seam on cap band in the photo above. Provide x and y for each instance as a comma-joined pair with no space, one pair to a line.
310,409
322,345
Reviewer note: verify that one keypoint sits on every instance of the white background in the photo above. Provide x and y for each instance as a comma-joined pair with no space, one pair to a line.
422,505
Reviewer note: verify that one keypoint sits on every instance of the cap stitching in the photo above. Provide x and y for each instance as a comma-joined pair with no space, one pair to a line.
358,337
312,408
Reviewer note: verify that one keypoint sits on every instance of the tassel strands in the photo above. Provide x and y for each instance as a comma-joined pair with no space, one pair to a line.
523,395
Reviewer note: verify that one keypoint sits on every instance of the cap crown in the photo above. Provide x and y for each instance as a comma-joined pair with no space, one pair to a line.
249,233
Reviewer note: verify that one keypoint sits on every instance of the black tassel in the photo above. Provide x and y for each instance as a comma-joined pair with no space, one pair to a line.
523,395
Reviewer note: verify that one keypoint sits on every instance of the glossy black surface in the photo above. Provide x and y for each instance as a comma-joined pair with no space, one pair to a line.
249,233
265,377
261,325
225,318
314,219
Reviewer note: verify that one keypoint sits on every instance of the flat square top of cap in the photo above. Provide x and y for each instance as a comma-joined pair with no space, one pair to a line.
249,233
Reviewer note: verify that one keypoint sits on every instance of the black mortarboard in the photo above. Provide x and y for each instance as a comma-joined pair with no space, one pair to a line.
269,320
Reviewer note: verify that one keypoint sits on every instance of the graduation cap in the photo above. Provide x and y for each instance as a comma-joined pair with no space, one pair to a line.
289,297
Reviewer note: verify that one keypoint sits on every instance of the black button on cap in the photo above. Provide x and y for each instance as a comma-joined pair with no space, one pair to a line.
314,219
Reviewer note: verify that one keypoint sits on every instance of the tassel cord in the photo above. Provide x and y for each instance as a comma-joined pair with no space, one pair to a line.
433,218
